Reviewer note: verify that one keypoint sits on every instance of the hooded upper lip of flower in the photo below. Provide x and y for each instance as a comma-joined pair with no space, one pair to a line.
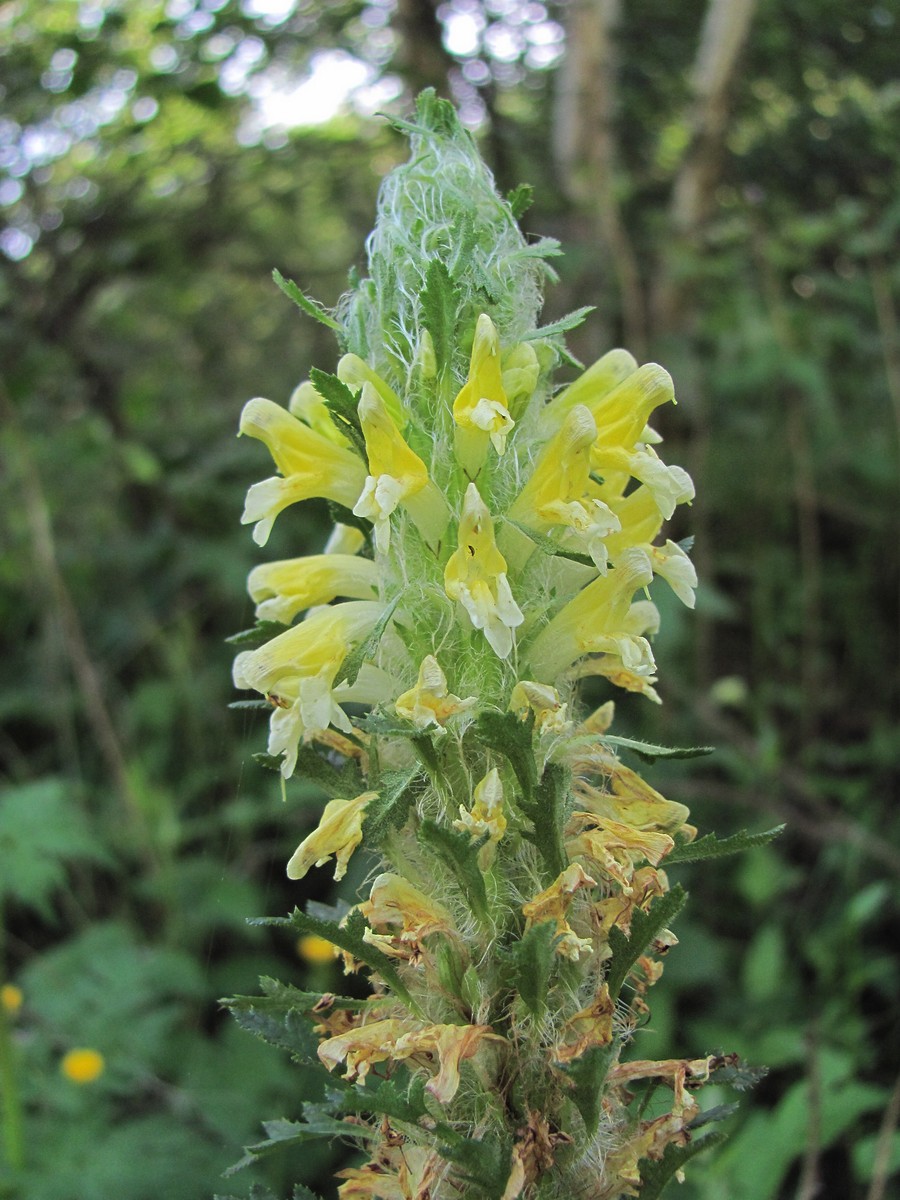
476,576
482,406
310,465
282,589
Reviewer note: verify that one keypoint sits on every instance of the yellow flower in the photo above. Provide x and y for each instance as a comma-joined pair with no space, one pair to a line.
558,495
520,371
452,1044
338,834
307,405
597,620
601,378
393,901
615,848
362,1048
592,1026
309,463
11,998
284,588
356,373
83,1065
401,1170
317,951
430,703
297,670
475,575
543,700
481,409
486,815
553,904
396,475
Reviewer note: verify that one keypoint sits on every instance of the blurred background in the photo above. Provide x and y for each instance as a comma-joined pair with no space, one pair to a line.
724,177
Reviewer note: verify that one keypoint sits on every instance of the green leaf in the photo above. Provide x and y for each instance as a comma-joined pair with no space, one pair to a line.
253,704
511,737
547,814
655,1176
343,408
279,1023
644,928
43,830
440,304
282,1133
520,199
395,798
587,1073
650,753
458,852
389,1099
349,937
486,1162
530,963
365,651
571,321
262,631
311,307
712,847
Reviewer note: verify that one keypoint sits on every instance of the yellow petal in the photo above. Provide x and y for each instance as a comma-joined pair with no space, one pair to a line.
337,835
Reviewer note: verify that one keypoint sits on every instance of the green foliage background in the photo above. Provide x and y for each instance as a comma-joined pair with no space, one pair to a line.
143,212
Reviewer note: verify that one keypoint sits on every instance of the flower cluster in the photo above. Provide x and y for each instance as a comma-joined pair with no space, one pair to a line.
495,543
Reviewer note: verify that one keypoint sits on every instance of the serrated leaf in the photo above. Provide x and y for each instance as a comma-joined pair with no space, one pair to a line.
548,816
485,1162
389,1099
262,631
570,321
510,736
655,1176
458,852
650,753
283,1133
349,937
520,199
250,704
530,963
343,408
365,651
712,847
311,307
587,1073
285,1027
645,926
440,304
389,811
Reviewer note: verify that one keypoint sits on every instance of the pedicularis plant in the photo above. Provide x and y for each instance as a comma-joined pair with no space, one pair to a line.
494,542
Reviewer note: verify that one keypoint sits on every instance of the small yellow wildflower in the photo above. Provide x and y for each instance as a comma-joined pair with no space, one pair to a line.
317,951
430,704
475,575
310,465
553,904
283,588
83,1065
11,998
338,834
396,473
486,816
481,410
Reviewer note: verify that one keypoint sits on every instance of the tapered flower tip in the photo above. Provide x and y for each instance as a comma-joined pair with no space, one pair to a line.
482,404
338,834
